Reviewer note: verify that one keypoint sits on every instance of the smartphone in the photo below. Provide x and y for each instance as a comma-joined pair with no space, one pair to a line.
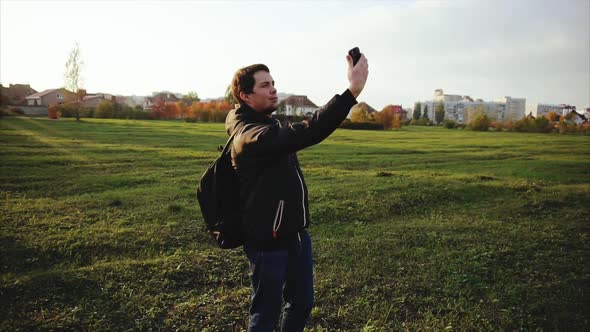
355,53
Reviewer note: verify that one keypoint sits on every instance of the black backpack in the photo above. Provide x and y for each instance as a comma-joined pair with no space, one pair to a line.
219,198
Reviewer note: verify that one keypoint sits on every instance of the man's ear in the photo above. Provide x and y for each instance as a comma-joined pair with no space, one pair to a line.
244,96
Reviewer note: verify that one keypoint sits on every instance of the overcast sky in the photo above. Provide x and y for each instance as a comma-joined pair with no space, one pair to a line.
537,49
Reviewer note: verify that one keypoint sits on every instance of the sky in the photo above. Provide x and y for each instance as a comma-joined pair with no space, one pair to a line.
533,49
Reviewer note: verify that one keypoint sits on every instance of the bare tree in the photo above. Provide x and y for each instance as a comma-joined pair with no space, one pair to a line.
73,75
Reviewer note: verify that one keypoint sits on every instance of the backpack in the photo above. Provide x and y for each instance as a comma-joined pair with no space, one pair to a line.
219,198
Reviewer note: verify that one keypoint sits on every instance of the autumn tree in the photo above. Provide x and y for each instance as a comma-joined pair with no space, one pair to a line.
52,112
389,118
552,116
195,111
170,111
359,114
73,74
384,118
396,123
157,111
182,109
222,108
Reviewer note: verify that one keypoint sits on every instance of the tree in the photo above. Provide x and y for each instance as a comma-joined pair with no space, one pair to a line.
117,111
480,122
195,111
158,110
543,125
385,117
229,97
396,123
122,111
473,110
191,97
359,114
68,110
552,116
170,111
205,115
389,117
182,109
104,110
73,74
439,113
52,112
417,111
425,114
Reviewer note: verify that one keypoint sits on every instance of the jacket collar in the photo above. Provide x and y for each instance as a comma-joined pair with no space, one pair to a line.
247,112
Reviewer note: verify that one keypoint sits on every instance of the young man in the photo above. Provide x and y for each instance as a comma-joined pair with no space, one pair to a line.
274,195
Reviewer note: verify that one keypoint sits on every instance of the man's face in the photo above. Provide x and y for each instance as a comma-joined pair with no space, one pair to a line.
264,95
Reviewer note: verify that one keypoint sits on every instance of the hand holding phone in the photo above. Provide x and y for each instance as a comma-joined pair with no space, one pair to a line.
355,53
357,76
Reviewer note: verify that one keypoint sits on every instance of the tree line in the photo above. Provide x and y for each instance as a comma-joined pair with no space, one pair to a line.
362,117
212,111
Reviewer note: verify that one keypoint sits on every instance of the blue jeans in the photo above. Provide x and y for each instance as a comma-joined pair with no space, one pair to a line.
281,275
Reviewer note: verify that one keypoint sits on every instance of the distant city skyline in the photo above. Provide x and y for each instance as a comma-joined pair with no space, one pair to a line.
538,50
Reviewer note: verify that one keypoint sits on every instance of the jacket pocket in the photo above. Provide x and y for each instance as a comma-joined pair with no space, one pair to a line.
278,219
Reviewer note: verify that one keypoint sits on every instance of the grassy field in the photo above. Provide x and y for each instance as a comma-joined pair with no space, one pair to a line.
421,228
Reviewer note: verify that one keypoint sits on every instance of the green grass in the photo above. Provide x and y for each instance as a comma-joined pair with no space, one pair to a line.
416,229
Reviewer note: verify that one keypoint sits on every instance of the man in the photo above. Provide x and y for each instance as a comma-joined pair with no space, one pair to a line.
274,195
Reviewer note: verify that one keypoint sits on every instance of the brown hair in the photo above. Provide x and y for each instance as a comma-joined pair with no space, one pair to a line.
243,80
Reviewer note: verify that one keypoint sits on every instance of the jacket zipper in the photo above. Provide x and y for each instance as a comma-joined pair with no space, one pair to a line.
302,197
302,190
278,218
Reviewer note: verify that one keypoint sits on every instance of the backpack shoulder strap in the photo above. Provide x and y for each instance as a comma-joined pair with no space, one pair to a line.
228,144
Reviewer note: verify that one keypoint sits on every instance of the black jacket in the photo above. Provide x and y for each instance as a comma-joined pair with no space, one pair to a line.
273,191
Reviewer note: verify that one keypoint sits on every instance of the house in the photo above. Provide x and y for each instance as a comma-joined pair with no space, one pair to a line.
131,101
296,106
576,117
159,98
15,94
561,109
282,96
93,100
51,97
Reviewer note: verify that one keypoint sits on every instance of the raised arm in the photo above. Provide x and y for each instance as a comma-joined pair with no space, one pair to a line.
263,139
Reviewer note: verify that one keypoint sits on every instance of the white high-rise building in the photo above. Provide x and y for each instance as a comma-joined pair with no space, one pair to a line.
515,108
561,109
461,108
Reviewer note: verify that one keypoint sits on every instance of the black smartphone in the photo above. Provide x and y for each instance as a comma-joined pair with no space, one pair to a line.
355,53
